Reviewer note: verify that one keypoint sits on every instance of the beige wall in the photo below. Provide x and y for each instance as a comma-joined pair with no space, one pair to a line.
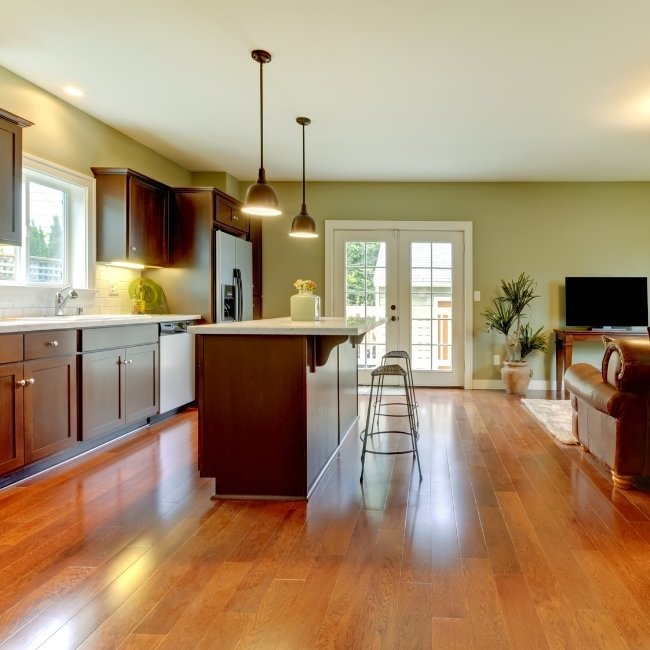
549,230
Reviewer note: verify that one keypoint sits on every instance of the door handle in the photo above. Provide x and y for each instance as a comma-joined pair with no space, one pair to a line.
394,318
393,307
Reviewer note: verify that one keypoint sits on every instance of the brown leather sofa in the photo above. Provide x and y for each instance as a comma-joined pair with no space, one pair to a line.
611,408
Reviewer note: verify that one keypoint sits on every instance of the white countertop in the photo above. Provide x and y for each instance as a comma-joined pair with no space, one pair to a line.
286,326
34,323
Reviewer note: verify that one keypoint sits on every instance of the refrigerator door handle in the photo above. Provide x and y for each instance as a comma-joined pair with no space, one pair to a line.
241,297
239,301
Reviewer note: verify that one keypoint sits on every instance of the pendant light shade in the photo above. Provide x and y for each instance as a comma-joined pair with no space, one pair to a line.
261,199
303,225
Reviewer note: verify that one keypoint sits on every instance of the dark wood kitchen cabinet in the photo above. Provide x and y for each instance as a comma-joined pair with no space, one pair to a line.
119,370
38,396
228,213
195,215
132,217
256,240
11,165
12,448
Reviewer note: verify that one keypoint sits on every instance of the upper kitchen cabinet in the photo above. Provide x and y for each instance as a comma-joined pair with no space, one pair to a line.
11,164
229,214
132,217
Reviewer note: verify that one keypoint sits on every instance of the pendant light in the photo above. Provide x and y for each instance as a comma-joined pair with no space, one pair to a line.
303,225
261,199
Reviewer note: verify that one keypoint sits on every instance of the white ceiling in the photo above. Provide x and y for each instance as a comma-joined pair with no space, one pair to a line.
417,90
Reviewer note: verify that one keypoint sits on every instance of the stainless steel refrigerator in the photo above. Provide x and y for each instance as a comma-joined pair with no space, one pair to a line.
233,278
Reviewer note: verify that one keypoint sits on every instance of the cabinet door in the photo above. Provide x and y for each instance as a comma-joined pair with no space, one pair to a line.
102,379
12,453
50,406
10,182
141,398
148,223
230,215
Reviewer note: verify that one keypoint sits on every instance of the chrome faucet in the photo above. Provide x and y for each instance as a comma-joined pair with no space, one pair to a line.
62,297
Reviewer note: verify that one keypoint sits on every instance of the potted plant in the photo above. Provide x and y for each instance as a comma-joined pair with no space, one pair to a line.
508,315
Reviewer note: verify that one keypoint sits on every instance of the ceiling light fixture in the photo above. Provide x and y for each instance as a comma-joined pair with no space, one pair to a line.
303,225
73,91
261,199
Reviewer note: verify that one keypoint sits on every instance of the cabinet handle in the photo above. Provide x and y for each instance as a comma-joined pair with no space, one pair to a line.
30,381
128,362
133,248
235,217
53,344
22,382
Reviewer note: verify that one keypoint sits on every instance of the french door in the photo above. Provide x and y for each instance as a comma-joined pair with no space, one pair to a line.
416,280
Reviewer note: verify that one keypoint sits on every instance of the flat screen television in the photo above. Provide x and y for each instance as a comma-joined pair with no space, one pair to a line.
608,302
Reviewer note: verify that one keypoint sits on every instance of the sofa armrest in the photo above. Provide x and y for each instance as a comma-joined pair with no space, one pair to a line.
634,356
585,381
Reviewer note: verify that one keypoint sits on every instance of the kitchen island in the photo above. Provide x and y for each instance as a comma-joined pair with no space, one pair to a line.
276,397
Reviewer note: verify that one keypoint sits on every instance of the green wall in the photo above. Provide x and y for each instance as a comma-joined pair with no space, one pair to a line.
69,137
549,230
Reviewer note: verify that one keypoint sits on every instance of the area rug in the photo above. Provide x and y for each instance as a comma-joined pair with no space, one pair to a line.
554,416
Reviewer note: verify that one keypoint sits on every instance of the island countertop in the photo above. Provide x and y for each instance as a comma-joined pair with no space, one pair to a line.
327,326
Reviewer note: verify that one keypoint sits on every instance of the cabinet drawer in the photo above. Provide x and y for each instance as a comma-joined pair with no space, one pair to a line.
11,348
53,343
105,338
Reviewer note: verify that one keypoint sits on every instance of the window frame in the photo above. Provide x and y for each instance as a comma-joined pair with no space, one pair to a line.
80,231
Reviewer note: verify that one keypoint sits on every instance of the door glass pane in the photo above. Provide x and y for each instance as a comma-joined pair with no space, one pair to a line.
431,321
365,291
45,208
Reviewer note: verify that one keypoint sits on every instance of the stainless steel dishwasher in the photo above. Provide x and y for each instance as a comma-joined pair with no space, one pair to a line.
176,365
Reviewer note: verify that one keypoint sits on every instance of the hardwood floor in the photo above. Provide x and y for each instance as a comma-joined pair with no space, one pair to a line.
510,541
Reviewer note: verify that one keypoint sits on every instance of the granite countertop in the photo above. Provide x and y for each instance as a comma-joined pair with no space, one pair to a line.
277,326
35,323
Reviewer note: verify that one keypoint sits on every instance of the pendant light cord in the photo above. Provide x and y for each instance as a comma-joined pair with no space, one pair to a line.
261,117
303,164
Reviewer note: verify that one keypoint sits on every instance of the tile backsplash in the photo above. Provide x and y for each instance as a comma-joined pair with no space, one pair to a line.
110,296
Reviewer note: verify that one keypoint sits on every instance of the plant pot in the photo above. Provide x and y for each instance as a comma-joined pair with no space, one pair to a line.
516,377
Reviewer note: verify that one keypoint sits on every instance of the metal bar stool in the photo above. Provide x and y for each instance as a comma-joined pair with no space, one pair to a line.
404,355
373,413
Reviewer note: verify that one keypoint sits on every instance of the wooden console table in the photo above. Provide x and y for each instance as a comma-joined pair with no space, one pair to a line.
565,337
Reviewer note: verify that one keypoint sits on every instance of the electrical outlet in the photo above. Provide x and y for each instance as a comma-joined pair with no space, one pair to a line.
496,359
477,296
112,291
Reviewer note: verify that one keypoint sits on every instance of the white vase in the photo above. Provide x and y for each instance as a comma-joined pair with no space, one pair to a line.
305,306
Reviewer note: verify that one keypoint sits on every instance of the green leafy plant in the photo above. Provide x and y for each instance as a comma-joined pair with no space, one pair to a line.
508,316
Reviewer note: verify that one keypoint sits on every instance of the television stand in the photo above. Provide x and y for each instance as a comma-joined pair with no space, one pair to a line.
565,336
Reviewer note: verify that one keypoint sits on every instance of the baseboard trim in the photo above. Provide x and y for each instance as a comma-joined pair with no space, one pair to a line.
497,384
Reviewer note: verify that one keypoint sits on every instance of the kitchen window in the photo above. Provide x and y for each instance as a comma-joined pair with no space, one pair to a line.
57,229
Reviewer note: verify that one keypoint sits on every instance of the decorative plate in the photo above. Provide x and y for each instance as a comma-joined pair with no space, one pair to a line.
154,296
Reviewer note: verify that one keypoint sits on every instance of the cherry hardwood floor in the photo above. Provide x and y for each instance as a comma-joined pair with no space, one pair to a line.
510,541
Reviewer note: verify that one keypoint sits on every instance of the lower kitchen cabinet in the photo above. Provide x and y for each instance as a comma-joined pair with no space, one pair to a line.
61,390
50,406
38,396
12,449
119,385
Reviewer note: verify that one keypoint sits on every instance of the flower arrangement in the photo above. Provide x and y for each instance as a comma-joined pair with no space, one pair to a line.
304,285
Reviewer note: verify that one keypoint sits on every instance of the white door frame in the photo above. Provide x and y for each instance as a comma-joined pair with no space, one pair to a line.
464,227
